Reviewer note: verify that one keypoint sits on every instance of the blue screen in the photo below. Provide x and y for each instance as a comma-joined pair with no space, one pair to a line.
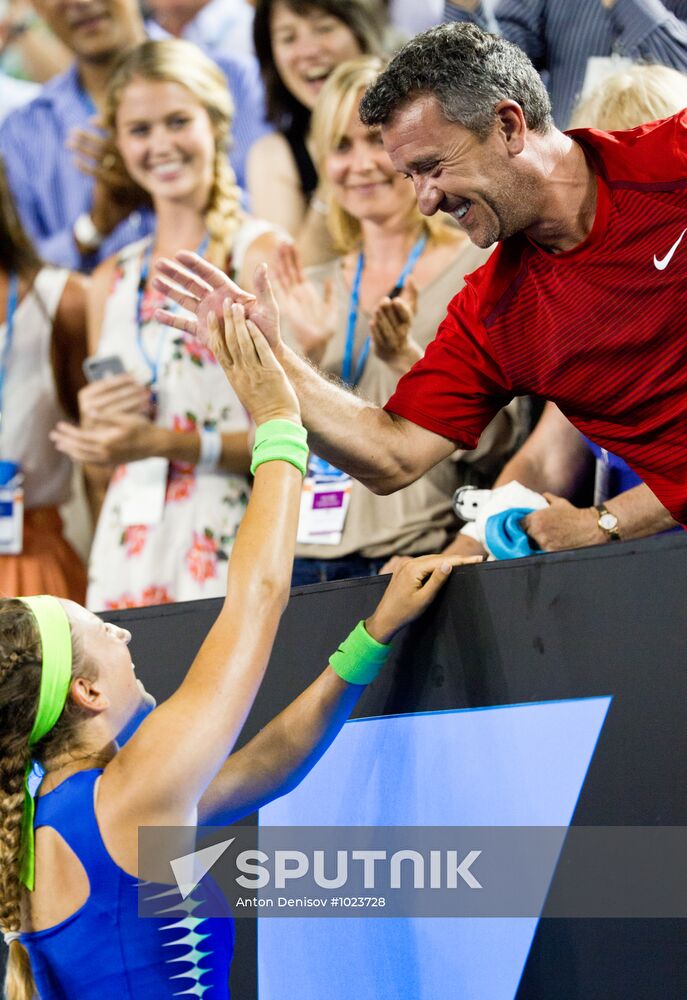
520,765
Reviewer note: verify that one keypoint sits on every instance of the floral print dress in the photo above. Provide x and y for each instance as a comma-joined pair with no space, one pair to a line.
184,555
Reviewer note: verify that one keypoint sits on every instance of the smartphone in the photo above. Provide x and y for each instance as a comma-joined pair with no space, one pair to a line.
97,368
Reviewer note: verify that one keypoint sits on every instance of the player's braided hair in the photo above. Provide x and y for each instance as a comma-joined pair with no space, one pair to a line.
20,678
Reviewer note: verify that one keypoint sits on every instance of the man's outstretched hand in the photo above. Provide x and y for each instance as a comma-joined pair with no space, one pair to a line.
202,288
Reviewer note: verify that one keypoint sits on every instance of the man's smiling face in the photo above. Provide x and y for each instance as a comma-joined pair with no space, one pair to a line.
454,171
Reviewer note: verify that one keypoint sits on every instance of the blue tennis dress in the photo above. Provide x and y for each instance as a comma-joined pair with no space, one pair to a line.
105,949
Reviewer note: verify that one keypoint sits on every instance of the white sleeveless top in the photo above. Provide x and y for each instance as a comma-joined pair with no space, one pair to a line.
31,406
184,556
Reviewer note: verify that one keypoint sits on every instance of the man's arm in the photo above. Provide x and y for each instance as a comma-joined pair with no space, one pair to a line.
383,451
647,29
562,526
24,176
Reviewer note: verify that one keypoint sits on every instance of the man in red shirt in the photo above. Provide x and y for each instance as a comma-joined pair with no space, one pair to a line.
583,302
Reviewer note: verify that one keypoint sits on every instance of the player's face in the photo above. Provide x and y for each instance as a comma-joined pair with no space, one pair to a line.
453,171
107,646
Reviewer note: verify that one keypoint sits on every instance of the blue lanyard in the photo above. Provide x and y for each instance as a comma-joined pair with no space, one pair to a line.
349,377
12,298
152,362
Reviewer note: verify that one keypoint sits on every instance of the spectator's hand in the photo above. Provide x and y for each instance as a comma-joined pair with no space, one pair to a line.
311,315
390,327
563,526
202,288
115,196
127,437
256,376
110,396
607,3
411,589
391,565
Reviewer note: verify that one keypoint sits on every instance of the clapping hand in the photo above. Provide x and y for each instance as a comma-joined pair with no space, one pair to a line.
125,437
201,289
390,327
115,195
110,396
311,314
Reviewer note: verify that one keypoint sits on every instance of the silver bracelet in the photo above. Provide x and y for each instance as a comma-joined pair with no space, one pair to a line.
210,449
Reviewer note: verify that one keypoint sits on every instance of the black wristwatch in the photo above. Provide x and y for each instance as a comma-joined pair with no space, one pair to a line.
608,522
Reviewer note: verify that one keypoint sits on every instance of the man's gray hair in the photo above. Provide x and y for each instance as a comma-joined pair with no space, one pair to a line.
468,71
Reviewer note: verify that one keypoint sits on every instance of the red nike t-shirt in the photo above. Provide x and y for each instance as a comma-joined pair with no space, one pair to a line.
600,329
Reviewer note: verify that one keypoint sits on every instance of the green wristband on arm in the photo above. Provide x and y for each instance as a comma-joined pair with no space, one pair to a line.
359,658
280,441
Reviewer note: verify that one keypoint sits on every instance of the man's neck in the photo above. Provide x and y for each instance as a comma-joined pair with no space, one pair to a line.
568,209
173,23
95,76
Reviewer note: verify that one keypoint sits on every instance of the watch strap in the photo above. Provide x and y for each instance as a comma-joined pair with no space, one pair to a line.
603,511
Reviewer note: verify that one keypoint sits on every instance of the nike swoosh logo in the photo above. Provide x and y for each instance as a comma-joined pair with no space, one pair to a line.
661,265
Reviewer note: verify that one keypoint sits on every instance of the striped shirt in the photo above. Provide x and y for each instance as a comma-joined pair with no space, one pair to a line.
559,36
51,192
600,329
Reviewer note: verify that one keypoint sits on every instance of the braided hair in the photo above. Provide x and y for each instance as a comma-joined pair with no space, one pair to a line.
20,679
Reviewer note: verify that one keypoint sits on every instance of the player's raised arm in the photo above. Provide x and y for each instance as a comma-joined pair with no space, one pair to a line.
160,775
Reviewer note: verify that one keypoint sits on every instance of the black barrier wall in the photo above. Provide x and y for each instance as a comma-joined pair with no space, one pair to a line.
608,621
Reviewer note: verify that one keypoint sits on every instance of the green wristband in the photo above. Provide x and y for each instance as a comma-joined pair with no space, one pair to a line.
359,658
280,441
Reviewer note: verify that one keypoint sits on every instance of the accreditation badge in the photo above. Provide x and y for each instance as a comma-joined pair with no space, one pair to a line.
143,492
11,509
325,497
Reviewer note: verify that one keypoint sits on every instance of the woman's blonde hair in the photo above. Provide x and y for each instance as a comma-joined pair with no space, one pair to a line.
20,678
631,97
176,61
337,101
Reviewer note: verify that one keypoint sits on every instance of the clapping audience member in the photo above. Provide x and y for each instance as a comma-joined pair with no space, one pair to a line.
43,331
167,524
298,46
366,318
556,458
219,27
75,205
574,44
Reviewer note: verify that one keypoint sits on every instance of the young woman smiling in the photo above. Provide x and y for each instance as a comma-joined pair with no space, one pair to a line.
298,46
171,427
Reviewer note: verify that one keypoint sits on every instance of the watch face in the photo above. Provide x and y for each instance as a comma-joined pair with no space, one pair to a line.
608,521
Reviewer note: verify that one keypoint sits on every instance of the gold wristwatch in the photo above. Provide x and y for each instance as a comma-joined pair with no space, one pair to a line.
608,522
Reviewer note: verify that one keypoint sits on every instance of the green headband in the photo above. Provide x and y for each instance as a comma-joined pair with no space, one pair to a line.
56,676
